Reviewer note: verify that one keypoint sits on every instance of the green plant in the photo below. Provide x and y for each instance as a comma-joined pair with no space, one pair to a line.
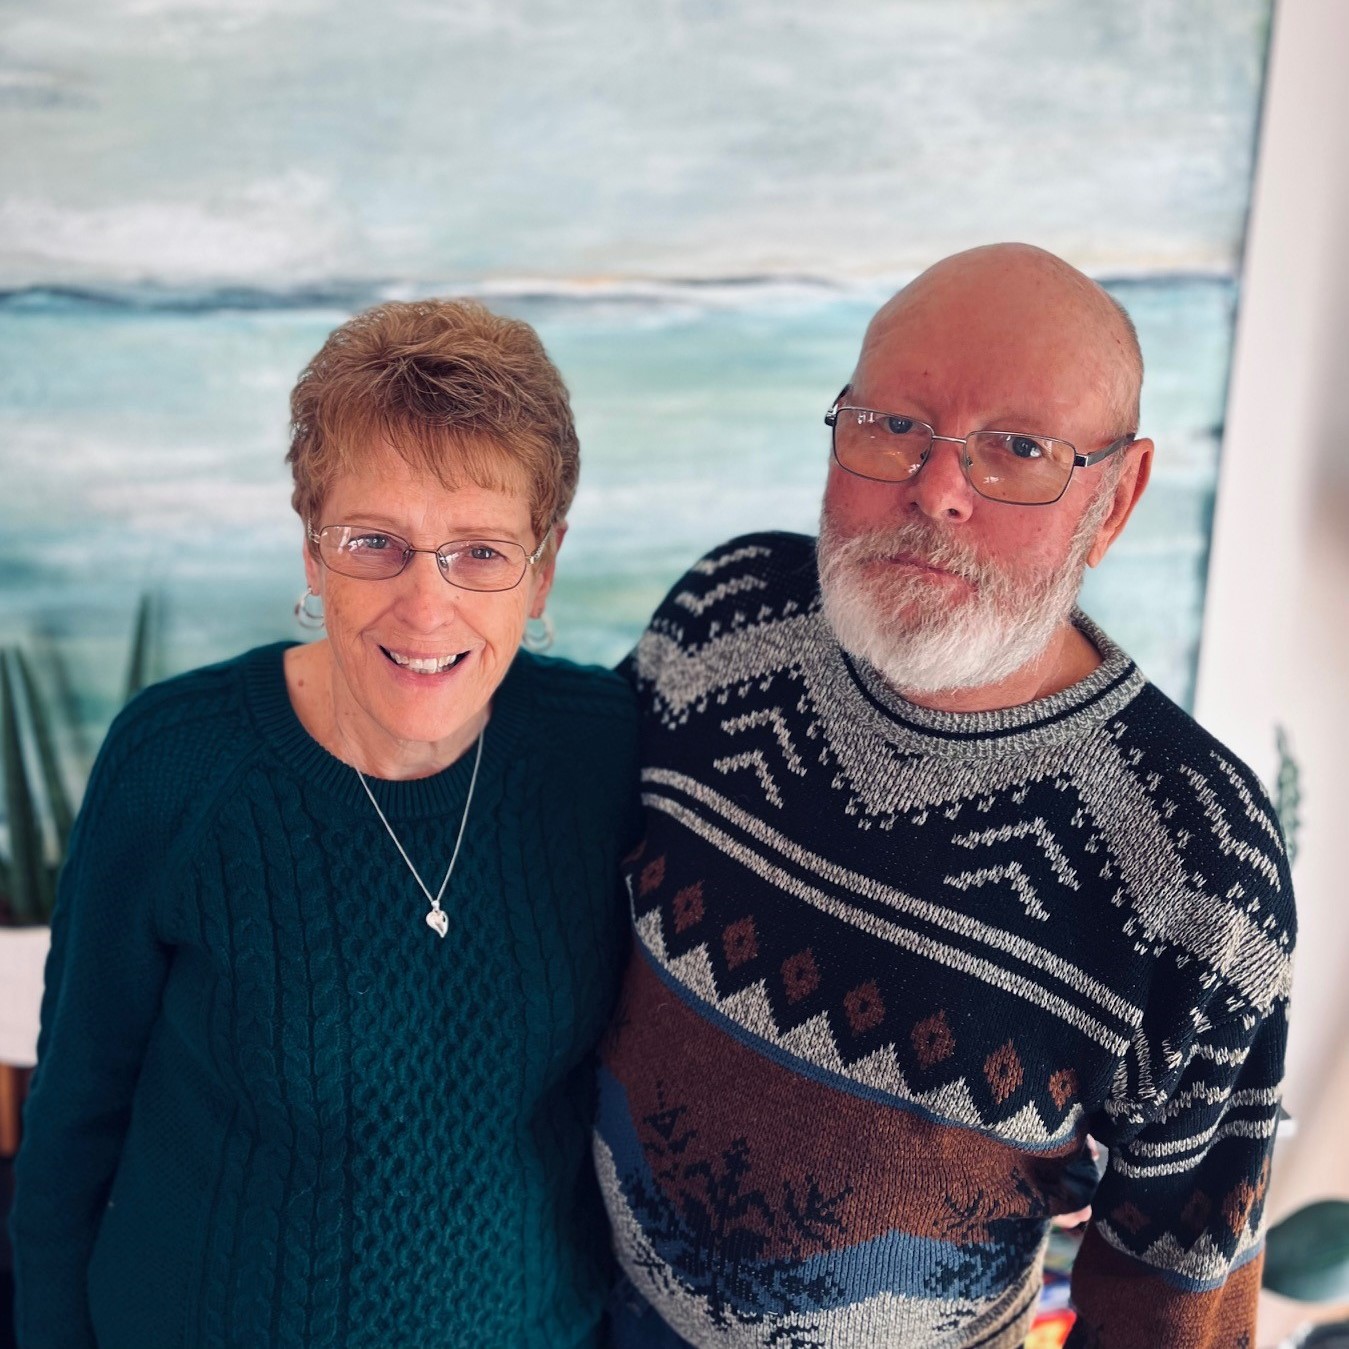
29,876
1288,793
138,667
1307,1254
38,806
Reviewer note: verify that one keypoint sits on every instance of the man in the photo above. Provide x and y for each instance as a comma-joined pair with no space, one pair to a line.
936,884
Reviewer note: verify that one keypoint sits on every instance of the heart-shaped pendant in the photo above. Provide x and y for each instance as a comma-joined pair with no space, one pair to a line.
437,919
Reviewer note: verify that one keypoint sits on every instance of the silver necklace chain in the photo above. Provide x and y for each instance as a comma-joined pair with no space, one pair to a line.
436,919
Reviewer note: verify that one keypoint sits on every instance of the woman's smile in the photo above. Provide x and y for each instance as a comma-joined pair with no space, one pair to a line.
424,664
411,660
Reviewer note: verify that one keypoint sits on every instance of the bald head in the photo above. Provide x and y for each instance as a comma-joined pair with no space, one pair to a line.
1016,302
955,530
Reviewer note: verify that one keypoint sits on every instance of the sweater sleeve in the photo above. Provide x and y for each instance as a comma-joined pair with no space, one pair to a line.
1174,1251
104,980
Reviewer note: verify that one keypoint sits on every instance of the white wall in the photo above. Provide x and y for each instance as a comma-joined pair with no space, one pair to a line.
1275,646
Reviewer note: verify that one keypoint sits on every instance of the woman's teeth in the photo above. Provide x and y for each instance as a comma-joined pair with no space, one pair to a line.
429,666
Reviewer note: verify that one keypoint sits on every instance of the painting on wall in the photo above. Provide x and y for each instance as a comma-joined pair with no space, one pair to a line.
697,204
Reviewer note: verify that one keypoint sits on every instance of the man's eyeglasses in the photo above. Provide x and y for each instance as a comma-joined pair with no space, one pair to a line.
1027,470
376,555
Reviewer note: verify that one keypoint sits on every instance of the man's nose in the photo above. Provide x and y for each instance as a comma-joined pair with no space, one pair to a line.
940,488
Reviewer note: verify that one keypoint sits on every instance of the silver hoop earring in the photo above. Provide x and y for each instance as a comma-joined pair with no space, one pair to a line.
539,638
305,616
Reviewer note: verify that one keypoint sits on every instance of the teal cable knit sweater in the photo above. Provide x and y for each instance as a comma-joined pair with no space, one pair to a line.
272,1107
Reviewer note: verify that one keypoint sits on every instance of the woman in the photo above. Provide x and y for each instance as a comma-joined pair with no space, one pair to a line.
339,926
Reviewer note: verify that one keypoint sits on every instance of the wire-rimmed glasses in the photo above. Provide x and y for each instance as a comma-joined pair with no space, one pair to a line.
1011,466
369,554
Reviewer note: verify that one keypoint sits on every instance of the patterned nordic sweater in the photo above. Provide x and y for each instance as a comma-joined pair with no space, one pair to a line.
893,965
272,1108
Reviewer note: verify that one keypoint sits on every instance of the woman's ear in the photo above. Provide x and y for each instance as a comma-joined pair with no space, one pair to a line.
546,570
313,571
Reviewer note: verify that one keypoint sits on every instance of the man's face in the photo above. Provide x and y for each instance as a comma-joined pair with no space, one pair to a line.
936,585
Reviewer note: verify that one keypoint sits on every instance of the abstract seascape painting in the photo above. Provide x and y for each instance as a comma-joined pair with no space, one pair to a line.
698,204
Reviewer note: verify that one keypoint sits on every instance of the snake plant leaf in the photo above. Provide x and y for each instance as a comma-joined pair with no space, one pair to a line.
61,700
1307,1254
139,664
39,722
30,882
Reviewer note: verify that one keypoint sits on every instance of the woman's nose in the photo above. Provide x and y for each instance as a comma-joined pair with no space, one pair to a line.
426,598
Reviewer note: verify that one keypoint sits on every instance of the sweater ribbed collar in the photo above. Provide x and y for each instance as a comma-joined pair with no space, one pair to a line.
269,705
1074,711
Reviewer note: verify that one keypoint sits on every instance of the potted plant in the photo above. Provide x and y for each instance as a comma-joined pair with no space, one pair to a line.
39,813
1307,1259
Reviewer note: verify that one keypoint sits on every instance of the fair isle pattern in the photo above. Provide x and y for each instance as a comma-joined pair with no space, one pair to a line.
883,1318
891,967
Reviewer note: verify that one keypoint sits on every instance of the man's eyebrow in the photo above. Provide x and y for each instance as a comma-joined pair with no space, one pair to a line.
913,405
1016,421
1020,422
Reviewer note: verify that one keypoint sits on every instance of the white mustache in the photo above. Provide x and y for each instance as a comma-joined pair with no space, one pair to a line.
923,640
927,545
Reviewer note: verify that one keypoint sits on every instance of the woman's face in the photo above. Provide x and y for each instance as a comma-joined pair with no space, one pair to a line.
386,712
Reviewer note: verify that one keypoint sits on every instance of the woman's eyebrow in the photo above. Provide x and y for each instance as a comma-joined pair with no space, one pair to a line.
374,518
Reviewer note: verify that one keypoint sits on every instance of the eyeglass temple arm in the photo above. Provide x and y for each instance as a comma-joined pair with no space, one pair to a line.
533,557
1095,457
831,416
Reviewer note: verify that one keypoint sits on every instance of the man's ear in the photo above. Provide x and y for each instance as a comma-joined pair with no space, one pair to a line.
1132,483
546,570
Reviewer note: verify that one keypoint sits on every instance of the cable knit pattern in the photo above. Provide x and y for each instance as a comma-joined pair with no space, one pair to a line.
894,964
272,1108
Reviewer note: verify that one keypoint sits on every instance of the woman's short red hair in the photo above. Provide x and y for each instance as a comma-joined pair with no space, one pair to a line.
453,388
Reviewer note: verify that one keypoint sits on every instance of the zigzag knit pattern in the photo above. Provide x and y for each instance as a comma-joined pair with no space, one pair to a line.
272,1108
893,965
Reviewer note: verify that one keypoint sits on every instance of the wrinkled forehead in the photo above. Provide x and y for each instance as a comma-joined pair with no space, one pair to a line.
971,358
437,456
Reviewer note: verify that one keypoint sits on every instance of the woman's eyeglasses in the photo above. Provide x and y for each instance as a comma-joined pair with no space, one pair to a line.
377,555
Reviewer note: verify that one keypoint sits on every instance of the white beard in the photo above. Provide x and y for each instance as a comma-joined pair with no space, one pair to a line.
915,636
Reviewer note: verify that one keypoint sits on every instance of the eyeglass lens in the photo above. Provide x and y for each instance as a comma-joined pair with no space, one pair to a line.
1003,465
471,564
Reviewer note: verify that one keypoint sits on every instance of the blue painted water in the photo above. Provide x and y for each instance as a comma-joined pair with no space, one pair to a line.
142,437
